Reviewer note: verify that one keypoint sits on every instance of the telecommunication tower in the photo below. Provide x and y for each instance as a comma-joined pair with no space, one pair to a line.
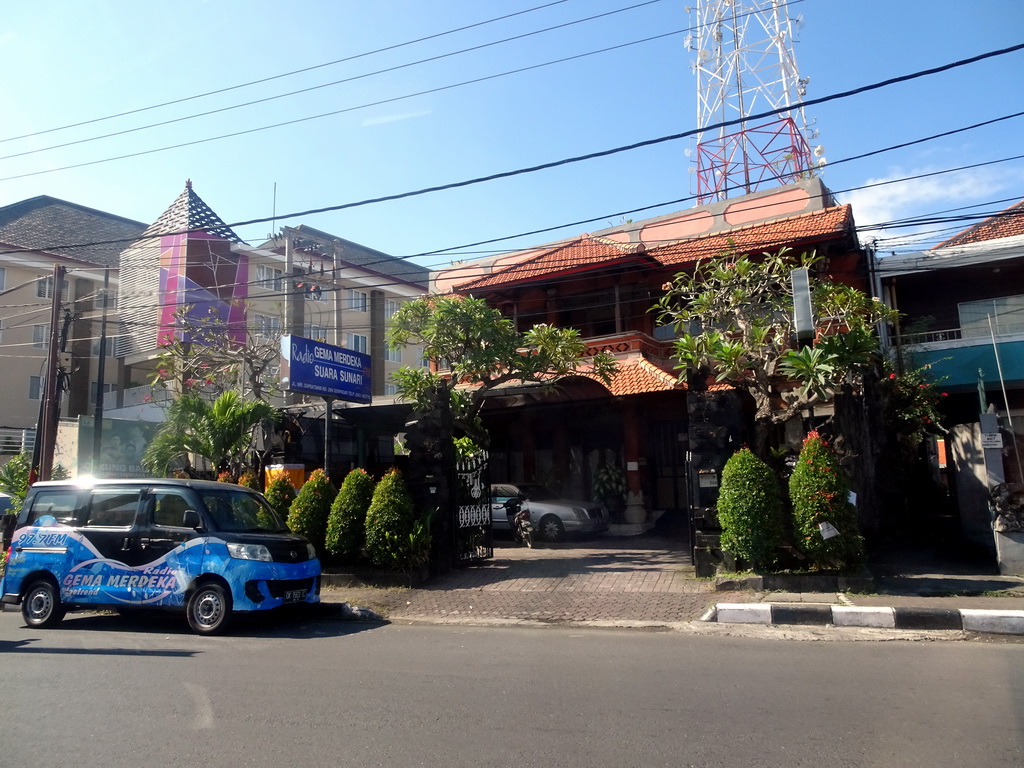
745,67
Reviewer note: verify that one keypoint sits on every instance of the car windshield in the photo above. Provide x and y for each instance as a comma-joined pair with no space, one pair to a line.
534,492
233,509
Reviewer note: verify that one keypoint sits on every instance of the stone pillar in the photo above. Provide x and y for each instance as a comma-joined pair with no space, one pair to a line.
636,512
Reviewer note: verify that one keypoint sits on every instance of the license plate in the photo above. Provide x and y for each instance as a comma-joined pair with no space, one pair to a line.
295,595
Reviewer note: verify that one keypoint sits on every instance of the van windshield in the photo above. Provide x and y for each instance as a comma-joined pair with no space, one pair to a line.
232,509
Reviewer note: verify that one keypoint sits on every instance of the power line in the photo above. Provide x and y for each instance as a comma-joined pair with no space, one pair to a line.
594,155
286,74
332,113
397,67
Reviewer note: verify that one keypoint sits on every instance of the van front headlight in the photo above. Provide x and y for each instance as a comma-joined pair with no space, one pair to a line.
250,552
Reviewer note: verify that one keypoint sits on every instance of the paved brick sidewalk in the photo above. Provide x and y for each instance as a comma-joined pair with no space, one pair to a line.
641,581
647,582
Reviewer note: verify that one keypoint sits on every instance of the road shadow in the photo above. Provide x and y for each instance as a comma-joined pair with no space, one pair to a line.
565,559
324,620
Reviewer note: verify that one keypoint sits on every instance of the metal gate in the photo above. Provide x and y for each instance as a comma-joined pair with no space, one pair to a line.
474,539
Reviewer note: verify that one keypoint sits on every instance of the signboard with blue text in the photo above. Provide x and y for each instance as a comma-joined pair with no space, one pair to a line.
315,368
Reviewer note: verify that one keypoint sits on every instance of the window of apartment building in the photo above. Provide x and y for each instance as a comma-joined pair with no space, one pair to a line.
269,277
315,332
393,355
266,327
106,388
1006,314
3,278
357,300
356,342
390,307
44,287
95,348
390,389
35,387
41,336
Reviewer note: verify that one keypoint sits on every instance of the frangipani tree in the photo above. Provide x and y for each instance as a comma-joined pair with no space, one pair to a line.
474,344
734,315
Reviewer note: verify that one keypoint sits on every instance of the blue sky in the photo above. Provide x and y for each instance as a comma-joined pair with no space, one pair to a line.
70,62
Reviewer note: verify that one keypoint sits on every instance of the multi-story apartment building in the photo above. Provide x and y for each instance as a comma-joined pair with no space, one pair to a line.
35,235
302,281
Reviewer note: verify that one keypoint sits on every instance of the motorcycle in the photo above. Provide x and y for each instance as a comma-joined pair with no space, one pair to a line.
519,522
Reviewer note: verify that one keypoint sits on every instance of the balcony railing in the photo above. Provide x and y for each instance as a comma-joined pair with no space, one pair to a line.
15,441
144,394
930,337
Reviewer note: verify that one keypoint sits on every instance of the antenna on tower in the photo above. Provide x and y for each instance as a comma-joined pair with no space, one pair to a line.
745,65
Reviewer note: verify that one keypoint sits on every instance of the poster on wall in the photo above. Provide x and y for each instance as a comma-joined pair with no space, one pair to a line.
122,444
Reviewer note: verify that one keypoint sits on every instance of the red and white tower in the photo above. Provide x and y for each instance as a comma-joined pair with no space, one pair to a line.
745,67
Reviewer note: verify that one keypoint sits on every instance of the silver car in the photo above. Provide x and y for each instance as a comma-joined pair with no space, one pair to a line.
552,517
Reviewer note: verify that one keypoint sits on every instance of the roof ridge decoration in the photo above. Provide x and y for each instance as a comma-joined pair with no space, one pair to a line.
768,235
563,257
1009,222
188,213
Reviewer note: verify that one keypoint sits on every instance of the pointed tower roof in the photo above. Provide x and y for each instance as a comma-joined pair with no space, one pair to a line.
188,214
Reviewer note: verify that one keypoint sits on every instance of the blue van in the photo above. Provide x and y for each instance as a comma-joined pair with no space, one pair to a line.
210,548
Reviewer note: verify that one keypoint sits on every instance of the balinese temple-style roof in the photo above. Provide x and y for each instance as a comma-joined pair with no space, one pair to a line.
801,216
188,213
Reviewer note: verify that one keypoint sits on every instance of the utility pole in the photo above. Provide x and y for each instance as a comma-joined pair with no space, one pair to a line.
47,430
101,374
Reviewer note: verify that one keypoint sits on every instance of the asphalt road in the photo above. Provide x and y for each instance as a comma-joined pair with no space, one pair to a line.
103,690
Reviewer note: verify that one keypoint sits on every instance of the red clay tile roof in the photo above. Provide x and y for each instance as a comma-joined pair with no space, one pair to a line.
795,232
636,377
640,376
583,252
1007,223
588,251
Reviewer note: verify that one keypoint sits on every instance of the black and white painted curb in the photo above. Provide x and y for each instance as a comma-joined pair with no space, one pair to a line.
808,614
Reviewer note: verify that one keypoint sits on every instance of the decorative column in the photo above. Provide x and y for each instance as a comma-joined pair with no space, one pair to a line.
636,512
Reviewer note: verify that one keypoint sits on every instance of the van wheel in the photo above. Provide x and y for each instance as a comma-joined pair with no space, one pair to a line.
209,609
551,529
41,606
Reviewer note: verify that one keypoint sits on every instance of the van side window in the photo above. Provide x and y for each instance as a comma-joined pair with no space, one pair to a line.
113,508
169,511
58,504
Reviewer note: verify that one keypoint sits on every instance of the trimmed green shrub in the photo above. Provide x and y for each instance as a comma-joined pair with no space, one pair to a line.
311,508
281,493
390,522
819,491
750,510
249,480
346,526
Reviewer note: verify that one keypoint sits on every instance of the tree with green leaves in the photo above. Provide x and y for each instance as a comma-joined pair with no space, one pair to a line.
471,343
206,357
222,432
734,315
14,474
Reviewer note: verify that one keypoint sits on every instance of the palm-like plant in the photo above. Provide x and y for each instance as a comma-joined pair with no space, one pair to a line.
219,431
